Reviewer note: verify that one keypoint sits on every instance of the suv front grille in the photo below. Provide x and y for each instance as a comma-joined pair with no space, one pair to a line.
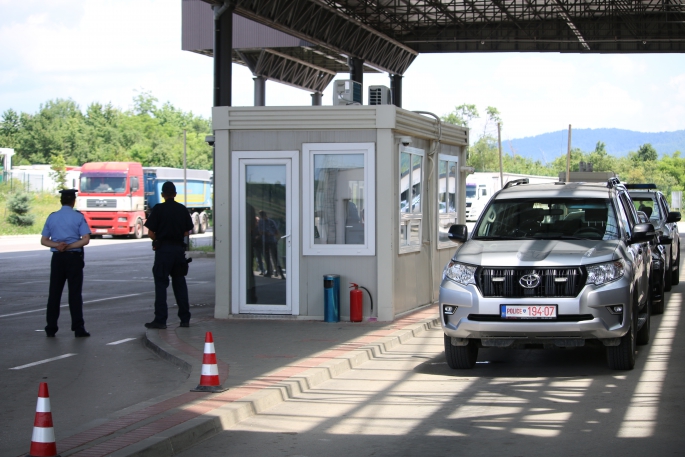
507,282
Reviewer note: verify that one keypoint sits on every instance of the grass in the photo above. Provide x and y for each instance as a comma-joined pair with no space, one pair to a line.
200,248
42,204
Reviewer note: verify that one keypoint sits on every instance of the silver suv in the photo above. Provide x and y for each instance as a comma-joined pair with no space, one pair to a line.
550,265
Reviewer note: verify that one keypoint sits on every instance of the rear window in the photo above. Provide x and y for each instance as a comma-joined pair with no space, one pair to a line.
647,205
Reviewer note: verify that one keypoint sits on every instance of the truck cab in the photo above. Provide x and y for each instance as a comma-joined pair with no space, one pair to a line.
112,199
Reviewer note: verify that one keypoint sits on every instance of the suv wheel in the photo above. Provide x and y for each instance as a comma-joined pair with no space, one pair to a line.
461,357
658,308
675,279
622,357
669,277
643,333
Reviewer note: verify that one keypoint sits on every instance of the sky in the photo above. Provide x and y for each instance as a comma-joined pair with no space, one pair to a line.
110,50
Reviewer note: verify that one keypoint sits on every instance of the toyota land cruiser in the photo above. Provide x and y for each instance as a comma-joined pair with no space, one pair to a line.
549,265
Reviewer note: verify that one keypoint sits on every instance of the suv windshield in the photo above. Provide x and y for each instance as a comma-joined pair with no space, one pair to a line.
548,218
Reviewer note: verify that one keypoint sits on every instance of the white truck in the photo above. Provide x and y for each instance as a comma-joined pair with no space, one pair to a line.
481,186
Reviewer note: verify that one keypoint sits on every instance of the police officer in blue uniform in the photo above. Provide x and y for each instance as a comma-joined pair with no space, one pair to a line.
168,225
66,233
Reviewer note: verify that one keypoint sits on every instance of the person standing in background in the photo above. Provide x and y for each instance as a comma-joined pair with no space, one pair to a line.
66,233
168,225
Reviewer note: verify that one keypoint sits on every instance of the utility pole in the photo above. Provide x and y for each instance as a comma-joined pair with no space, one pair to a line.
568,156
499,144
185,182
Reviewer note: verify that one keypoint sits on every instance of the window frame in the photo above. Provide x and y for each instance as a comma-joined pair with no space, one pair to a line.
309,150
453,215
411,219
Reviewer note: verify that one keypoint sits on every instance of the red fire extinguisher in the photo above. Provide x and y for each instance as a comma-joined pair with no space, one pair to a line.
356,298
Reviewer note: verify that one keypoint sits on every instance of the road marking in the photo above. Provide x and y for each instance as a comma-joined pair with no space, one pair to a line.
113,298
42,361
64,306
17,257
120,341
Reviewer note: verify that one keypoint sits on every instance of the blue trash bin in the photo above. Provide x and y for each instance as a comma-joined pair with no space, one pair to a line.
331,298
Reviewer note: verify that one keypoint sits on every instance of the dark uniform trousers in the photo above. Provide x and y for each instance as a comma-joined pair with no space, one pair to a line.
170,260
65,267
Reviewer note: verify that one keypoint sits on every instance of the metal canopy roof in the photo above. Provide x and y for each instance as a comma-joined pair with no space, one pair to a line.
389,34
269,53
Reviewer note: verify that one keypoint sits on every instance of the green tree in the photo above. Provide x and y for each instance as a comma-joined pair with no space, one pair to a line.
462,115
58,128
59,171
646,153
19,205
9,129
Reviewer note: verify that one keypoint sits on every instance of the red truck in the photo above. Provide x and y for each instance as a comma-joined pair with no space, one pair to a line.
112,198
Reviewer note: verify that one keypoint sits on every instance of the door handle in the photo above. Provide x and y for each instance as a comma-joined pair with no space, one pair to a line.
285,236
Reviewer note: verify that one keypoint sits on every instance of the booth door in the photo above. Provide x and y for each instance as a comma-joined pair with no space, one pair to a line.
265,270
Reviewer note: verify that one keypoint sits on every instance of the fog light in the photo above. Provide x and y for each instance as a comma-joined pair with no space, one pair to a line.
122,219
449,309
615,309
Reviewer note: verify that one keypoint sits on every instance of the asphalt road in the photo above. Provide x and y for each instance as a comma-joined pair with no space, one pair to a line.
90,378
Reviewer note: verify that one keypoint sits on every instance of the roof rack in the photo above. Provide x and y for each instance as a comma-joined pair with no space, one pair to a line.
641,186
613,182
516,182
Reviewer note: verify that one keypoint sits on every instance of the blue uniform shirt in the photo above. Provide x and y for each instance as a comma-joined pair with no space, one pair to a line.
65,225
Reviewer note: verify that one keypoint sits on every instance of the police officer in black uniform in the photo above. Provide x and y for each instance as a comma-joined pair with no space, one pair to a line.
66,233
168,225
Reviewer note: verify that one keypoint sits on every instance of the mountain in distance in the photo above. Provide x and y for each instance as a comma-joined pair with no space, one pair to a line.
548,146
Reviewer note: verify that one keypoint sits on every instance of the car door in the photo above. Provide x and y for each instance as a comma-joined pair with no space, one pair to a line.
641,252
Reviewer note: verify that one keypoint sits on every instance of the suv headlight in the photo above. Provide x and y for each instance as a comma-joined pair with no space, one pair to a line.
603,273
460,273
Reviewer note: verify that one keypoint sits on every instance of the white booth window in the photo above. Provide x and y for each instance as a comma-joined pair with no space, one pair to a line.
447,197
339,198
411,179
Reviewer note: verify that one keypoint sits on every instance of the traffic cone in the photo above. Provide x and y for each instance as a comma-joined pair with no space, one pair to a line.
209,379
43,439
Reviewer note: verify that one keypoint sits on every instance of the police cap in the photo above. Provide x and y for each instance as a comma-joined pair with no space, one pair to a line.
68,192
168,188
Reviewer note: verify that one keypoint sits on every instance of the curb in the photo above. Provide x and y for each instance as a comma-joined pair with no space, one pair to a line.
186,435
155,343
200,254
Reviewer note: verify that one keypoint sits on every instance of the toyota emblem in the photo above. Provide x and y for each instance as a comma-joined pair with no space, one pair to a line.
529,281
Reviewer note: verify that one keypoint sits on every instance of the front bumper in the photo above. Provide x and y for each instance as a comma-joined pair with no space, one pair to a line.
583,317
108,223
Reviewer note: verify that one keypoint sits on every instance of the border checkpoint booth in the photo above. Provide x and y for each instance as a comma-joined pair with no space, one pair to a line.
364,192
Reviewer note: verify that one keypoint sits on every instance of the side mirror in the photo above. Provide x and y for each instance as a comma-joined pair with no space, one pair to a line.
673,216
642,233
458,233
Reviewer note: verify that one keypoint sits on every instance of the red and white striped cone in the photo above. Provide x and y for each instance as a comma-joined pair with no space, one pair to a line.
43,439
209,379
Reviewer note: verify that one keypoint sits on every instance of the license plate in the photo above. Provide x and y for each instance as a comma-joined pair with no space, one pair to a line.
528,311
100,230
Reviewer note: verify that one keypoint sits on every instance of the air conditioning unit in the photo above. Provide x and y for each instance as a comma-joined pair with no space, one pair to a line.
347,92
380,95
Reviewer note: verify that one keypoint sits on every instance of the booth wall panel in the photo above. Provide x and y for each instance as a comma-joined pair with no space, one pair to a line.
359,268
412,285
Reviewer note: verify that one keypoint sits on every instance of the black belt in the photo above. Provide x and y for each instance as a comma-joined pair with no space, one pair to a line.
68,252
170,243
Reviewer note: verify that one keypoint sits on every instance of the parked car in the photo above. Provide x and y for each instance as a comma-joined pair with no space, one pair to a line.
648,199
657,277
550,265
